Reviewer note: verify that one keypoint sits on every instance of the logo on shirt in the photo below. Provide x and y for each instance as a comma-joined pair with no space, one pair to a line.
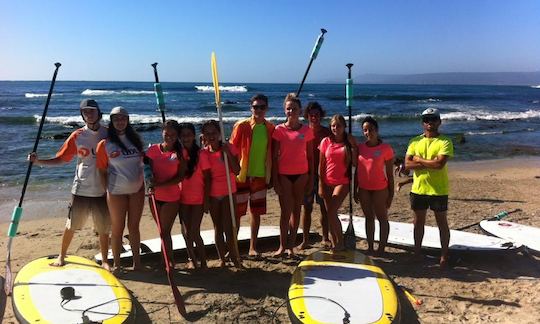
115,154
301,136
377,153
83,152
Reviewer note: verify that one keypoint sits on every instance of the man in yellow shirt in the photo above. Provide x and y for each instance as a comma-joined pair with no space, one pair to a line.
427,155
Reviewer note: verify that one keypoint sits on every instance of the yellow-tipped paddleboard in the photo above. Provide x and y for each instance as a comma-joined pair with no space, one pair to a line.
80,291
332,287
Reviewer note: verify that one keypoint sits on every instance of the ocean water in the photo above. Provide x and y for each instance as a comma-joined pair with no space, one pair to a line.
495,121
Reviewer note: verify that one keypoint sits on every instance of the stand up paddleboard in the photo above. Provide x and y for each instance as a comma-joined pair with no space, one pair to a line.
520,234
402,234
79,292
154,245
341,287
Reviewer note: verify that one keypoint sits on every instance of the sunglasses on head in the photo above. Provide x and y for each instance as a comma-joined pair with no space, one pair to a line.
430,119
259,107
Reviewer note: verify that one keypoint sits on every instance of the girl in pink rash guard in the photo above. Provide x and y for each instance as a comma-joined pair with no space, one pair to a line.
192,197
292,171
219,201
375,182
337,153
168,169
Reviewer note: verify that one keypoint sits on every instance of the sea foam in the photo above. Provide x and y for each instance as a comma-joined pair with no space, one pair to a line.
92,92
39,95
236,88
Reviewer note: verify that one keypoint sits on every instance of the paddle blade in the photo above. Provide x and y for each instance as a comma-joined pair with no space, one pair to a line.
178,299
8,282
349,239
215,80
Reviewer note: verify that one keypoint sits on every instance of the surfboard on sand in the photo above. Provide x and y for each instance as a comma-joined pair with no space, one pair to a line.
329,287
154,245
80,291
520,234
402,234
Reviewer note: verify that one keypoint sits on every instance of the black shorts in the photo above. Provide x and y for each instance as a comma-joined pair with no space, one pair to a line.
423,202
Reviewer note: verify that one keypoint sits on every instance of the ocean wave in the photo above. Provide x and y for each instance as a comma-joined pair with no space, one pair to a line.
484,133
536,86
92,92
236,88
135,119
485,115
429,100
39,95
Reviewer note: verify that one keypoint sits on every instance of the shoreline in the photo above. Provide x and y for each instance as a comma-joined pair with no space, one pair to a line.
479,288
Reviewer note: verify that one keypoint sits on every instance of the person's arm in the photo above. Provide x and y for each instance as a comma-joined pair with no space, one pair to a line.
33,157
437,163
233,159
311,167
322,171
275,159
181,171
104,178
389,166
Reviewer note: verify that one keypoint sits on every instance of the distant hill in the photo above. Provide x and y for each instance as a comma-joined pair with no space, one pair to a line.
466,78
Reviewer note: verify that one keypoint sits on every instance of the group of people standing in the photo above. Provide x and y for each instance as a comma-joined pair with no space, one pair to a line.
303,163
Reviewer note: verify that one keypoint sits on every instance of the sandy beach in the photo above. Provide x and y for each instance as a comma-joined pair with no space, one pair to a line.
495,288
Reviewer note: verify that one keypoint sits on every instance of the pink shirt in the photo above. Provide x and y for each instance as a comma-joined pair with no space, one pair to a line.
336,170
218,187
164,167
371,171
192,188
292,157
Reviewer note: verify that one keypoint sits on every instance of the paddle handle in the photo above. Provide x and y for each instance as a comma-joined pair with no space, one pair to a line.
15,218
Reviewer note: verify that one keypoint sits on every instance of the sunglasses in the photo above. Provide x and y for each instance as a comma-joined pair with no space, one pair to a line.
430,119
259,107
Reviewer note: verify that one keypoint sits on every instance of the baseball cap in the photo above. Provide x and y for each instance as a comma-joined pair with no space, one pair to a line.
89,103
119,111
431,112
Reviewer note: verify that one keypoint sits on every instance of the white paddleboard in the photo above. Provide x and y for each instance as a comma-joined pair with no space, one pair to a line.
154,245
402,234
520,234
97,293
326,284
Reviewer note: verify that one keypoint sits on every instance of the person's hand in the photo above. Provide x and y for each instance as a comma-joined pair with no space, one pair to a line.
32,157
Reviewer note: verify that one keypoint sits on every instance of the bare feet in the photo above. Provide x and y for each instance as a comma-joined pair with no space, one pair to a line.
105,265
222,264
443,262
238,264
60,262
303,245
254,253
279,252
190,265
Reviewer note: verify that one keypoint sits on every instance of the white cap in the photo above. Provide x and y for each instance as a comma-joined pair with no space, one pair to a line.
431,112
119,111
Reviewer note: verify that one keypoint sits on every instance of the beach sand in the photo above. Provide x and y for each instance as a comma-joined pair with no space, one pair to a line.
499,288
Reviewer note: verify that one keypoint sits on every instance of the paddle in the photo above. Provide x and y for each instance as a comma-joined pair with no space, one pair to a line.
178,299
349,236
159,93
314,54
17,211
499,216
215,80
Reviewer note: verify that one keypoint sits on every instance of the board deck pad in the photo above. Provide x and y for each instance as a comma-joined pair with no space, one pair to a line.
154,245
514,232
37,293
402,234
326,284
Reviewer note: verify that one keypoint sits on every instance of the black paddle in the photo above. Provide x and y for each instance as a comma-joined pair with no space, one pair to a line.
314,54
178,299
17,211
349,236
499,216
159,93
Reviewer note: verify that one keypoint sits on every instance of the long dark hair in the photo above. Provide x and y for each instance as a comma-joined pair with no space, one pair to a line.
372,121
131,135
193,152
348,149
215,124
173,124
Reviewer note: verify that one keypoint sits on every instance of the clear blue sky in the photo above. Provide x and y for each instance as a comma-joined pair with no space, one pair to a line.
264,41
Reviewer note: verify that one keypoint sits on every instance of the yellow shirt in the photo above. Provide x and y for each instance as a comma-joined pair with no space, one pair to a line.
426,181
